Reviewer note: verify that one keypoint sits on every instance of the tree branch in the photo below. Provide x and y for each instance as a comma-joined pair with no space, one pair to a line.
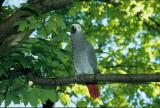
82,79
100,78
157,24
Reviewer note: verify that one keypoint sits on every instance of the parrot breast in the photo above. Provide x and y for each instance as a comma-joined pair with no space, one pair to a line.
81,63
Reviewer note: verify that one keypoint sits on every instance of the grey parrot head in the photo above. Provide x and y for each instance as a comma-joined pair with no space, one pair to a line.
75,28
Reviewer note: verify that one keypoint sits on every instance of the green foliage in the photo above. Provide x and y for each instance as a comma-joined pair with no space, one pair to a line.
64,98
32,95
126,38
82,104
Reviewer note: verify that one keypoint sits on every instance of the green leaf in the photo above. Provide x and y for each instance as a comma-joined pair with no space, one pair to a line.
51,26
36,95
72,12
23,25
64,98
2,71
82,104
47,93
9,98
60,22
1,98
33,22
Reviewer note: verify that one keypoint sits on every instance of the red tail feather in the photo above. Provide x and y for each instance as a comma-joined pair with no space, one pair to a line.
93,90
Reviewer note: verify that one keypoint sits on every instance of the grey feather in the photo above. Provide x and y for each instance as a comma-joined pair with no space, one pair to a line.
84,58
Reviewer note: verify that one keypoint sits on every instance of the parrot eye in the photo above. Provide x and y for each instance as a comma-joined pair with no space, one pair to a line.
73,29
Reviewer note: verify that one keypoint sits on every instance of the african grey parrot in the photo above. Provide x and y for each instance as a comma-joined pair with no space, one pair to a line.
84,58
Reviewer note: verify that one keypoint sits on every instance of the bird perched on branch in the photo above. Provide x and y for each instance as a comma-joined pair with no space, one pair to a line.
84,58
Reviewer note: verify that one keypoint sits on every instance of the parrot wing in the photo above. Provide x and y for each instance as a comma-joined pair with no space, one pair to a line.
92,57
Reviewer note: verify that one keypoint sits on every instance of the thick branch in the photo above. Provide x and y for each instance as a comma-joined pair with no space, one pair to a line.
82,79
100,78
48,5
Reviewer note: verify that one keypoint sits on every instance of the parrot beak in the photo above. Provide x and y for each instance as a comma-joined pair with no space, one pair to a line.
73,29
